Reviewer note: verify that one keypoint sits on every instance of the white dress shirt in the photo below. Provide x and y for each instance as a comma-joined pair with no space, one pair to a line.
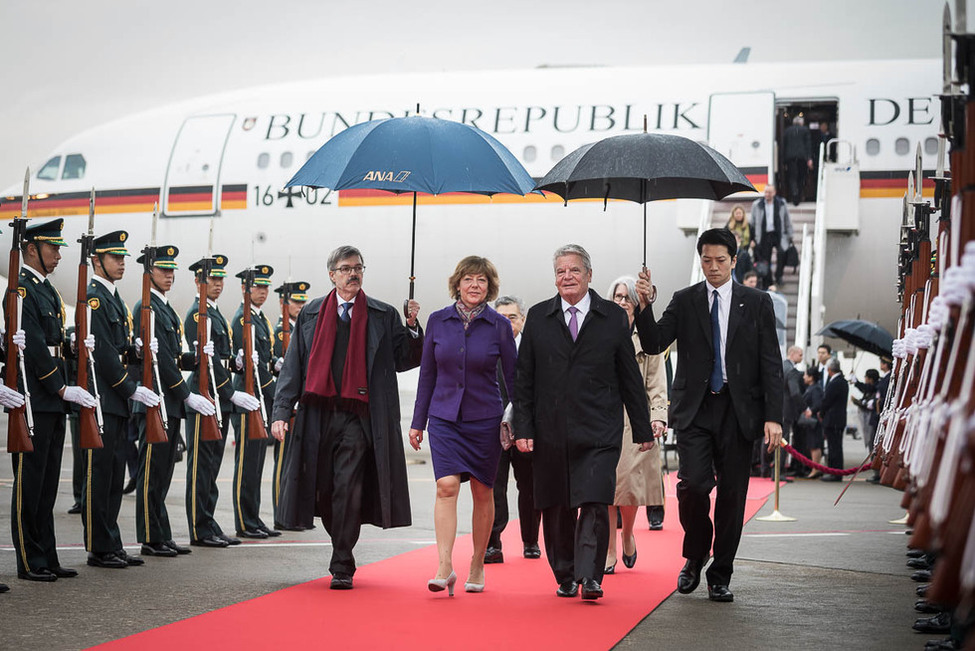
724,311
582,306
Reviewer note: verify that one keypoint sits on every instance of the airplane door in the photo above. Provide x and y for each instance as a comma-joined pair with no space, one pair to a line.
742,127
193,177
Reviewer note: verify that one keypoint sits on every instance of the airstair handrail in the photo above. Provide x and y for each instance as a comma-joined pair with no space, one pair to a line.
816,297
802,299
703,224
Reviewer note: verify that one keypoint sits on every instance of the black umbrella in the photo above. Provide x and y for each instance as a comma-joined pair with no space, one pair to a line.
861,334
644,167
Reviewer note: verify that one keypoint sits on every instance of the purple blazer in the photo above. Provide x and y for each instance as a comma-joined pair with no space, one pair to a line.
458,371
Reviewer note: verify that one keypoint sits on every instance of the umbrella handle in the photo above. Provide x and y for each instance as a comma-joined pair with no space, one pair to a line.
406,302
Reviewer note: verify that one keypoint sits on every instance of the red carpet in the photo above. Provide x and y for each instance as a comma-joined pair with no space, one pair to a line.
391,606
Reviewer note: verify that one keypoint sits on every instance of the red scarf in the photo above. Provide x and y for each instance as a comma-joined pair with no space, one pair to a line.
355,384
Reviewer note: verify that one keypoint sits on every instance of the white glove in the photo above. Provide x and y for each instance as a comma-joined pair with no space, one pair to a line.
78,396
10,398
245,401
255,357
208,348
278,364
200,405
145,396
20,339
90,342
239,360
153,346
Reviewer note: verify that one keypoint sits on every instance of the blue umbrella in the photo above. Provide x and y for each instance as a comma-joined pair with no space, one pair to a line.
414,154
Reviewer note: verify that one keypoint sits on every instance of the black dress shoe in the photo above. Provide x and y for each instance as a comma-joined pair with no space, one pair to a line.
532,551
630,561
946,644
915,553
493,555
925,606
108,560
568,589
271,533
689,577
230,540
75,508
921,591
591,589
609,569
63,572
341,582
919,563
921,576
179,549
831,478
129,487
252,533
720,593
157,549
131,561
42,574
210,541
4,588
940,623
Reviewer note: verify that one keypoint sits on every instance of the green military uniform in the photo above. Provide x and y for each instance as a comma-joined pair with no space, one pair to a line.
250,456
158,460
297,292
37,473
111,324
204,457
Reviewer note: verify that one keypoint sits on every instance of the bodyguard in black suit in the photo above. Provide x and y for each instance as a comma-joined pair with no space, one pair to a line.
727,392
576,371
833,414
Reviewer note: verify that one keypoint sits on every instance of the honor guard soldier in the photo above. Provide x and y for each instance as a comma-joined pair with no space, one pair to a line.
37,473
204,457
249,461
158,460
292,297
111,324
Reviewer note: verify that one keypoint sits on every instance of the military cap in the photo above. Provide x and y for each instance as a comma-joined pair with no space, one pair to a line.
218,266
165,257
262,274
113,243
299,291
49,232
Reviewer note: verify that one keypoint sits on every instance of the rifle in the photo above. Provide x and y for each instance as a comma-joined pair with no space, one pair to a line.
20,423
286,290
210,424
155,416
256,420
90,418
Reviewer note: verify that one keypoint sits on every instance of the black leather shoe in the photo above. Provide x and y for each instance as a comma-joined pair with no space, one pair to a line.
210,541
940,623
568,589
63,572
157,549
921,576
915,553
108,560
532,551
830,478
689,577
341,582
493,555
919,563
43,575
946,644
271,533
252,533
720,593
131,561
609,569
230,540
4,588
75,508
129,487
925,606
630,561
179,549
591,589
656,518
921,591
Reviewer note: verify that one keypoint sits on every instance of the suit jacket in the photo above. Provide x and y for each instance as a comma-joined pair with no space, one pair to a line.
835,397
42,319
262,344
111,323
569,397
752,358
792,403
223,352
170,359
797,143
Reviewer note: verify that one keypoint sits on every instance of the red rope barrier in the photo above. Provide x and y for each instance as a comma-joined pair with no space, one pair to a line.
821,468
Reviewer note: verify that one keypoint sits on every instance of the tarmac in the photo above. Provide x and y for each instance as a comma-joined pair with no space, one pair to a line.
836,577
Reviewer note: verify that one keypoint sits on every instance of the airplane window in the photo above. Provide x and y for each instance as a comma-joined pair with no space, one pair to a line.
263,160
930,146
873,147
558,151
529,154
286,159
50,170
902,146
74,167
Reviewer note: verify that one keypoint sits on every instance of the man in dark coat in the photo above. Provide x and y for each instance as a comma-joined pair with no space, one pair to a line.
727,392
833,414
576,371
346,462
798,156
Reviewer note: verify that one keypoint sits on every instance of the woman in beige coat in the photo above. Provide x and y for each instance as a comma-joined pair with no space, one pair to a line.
639,480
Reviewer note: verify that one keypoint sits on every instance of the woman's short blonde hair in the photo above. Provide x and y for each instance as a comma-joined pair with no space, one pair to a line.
474,265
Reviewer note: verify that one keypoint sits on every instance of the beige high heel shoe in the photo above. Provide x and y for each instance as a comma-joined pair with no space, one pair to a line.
439,585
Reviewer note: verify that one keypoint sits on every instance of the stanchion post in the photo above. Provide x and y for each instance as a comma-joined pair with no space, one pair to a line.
776,516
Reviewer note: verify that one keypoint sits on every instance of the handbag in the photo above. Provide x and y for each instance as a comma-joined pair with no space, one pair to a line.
791,257
807,421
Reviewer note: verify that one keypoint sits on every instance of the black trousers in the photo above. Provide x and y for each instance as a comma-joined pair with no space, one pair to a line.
281,449
248,474
528,516
35,490
713,453
763,253
797,169
77,459
104,474
342,451
203,459
156,465
834,446
576,541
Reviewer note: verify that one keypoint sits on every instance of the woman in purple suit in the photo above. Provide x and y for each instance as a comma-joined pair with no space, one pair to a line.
458,400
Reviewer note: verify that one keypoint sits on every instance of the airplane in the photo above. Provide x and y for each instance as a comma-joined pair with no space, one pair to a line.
228,156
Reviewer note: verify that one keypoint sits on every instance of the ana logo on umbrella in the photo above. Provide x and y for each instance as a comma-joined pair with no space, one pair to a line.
379,175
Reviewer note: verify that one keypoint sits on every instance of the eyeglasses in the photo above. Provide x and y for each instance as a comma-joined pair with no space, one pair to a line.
345,270
621,298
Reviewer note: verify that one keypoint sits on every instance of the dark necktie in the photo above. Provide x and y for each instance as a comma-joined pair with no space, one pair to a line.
345,316
717,379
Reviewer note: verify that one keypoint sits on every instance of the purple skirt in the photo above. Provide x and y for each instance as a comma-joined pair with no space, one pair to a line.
468,448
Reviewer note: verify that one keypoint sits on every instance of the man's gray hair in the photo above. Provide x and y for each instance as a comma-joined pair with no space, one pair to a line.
798,120
573,249
511,300
630,283
342,253
833,365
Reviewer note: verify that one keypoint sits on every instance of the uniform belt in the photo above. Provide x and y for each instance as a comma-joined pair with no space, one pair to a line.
54,350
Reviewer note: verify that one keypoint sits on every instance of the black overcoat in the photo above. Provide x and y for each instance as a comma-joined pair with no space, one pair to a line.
569,398
390,348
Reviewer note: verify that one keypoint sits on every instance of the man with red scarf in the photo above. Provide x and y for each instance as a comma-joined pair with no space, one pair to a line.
347,463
